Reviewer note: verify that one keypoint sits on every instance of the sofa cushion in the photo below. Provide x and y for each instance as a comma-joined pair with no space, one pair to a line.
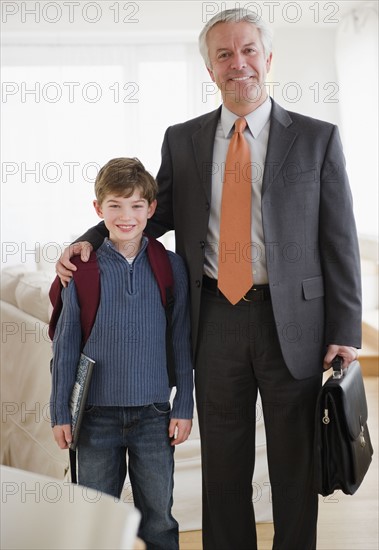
32,294
10,277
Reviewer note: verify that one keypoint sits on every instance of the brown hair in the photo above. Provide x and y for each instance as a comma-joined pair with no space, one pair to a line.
121,176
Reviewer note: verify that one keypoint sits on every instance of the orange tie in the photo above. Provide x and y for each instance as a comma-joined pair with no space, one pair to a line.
235,276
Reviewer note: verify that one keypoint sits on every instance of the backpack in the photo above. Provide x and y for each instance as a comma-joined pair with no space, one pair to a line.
87,282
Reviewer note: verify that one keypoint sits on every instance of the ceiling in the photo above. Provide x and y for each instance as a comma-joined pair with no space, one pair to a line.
167,18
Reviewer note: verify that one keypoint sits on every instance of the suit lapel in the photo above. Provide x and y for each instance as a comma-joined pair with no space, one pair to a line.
203,142
280,141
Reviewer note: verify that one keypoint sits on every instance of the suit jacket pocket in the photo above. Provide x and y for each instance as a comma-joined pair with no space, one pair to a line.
313,288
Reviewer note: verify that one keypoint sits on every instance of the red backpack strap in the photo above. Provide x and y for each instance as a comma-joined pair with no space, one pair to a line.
56,302
162,269
161,266
87,282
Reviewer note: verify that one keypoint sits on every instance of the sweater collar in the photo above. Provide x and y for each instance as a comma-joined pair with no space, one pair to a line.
108,248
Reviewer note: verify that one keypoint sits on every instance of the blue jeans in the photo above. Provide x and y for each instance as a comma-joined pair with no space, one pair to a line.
106,434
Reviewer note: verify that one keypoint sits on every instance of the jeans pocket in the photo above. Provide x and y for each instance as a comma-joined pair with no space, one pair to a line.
90,409
162,408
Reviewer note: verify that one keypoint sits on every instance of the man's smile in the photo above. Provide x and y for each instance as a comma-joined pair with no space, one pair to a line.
240,78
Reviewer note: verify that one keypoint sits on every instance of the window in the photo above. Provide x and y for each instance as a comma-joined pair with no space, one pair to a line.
66,111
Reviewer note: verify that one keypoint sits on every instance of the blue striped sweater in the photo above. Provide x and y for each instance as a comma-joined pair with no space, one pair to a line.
127,339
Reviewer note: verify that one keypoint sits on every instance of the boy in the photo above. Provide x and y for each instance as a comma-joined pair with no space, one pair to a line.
128,404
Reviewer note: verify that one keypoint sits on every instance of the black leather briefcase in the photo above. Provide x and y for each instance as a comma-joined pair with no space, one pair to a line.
343,449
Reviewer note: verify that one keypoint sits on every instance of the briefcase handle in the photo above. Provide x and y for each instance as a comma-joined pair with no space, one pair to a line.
337,367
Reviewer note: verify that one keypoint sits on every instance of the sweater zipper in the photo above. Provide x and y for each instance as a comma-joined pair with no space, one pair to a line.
131,278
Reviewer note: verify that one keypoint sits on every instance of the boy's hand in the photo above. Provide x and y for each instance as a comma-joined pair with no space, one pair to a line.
64,267
62,435
179,430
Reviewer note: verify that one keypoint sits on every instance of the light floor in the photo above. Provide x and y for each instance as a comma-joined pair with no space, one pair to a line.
345,522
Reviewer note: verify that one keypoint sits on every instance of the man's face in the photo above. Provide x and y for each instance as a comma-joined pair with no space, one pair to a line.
238,65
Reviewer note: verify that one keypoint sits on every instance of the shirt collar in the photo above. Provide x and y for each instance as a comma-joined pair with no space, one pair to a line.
256,120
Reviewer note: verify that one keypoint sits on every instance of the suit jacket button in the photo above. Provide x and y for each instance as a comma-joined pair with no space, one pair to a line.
197,283
207,206
202,244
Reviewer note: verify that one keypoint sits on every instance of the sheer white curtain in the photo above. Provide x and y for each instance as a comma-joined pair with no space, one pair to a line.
68,108
357,66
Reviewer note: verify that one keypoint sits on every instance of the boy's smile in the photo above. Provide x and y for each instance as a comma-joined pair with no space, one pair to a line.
125,219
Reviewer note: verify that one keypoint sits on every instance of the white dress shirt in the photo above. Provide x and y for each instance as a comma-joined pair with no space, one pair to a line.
256,134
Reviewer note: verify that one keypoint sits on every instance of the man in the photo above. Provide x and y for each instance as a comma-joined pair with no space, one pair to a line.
304,307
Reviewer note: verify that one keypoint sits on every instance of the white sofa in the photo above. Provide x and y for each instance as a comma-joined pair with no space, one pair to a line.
26,439
90,520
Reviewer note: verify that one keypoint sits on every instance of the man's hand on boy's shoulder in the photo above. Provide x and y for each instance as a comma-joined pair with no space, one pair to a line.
179,430
64,267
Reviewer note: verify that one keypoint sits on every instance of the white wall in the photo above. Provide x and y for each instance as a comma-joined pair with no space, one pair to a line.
304,67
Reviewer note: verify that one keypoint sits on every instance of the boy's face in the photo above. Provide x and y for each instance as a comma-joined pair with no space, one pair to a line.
125,218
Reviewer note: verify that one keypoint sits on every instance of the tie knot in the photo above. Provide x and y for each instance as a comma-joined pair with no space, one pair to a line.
240,125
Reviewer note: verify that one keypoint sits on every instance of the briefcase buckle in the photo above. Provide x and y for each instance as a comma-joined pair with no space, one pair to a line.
337,368
326,418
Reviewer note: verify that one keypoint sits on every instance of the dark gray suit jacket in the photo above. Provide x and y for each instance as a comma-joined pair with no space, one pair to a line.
310,236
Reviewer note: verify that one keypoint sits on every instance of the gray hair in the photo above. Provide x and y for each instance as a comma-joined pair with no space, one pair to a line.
236,15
